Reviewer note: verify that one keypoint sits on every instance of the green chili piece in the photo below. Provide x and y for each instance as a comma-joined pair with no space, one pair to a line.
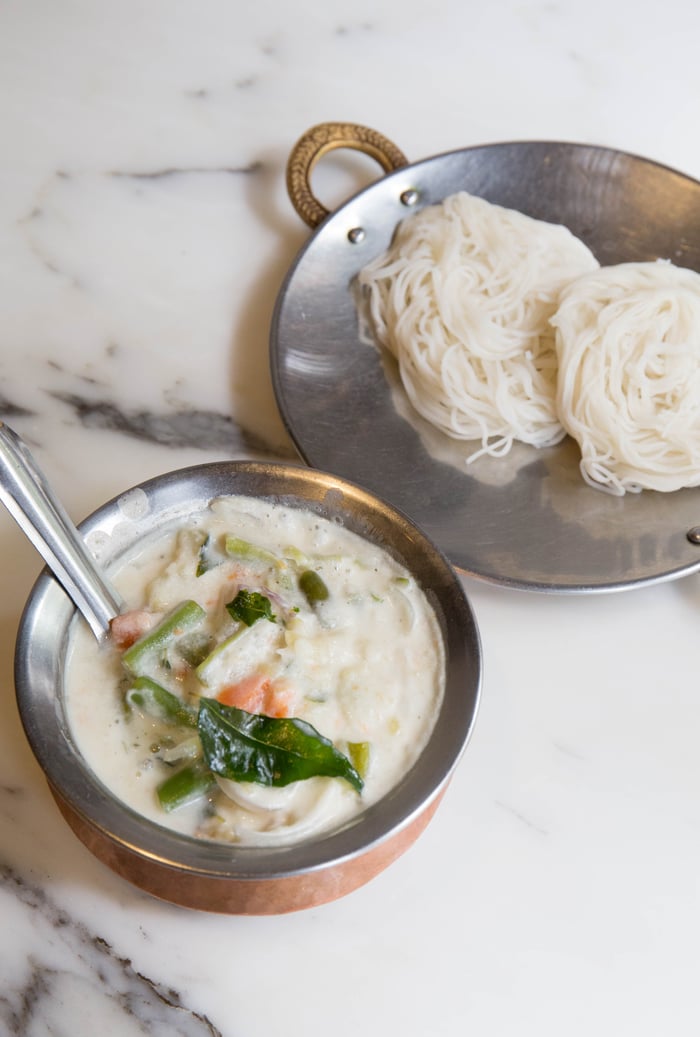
207,558
295,555
359,754
186,785
155,700
312,587
182,618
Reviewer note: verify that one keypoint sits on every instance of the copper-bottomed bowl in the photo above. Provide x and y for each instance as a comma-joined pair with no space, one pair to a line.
220,877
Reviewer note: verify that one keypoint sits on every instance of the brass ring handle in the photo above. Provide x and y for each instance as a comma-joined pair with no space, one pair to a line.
318,141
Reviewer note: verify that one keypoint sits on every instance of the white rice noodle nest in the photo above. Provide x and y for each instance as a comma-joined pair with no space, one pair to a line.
628,346
463,298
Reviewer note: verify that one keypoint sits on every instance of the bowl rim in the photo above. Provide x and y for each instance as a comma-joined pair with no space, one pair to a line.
39,671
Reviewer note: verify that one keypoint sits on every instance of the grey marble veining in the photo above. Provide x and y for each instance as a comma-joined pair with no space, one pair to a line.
145,231
73,973
8,409
181,428
175,171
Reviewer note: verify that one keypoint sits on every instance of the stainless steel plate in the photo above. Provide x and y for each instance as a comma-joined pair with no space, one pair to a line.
527,520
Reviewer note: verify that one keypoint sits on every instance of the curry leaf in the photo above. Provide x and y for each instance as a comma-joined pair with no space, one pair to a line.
267,750
249,606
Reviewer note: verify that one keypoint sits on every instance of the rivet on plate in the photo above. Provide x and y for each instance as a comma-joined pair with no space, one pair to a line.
693,534
409,197
356,235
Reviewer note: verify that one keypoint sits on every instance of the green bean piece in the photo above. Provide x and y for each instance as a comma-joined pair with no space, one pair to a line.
195,647
155,700
185,616
218,657
312,587
185,786
238,548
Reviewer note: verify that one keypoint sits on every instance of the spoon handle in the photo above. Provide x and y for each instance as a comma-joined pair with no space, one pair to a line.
30,500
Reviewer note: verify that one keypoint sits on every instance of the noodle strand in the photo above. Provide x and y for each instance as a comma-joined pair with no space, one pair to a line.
463,299
628,346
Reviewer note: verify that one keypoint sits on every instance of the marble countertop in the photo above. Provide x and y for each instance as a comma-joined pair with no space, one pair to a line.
144,233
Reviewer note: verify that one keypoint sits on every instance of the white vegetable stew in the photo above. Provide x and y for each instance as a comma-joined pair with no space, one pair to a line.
273,675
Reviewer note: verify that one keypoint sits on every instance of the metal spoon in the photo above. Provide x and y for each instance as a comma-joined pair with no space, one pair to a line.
25,492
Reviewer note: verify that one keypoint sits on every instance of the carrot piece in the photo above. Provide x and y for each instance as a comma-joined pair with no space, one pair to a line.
258,694
248,694
127,628
279,700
